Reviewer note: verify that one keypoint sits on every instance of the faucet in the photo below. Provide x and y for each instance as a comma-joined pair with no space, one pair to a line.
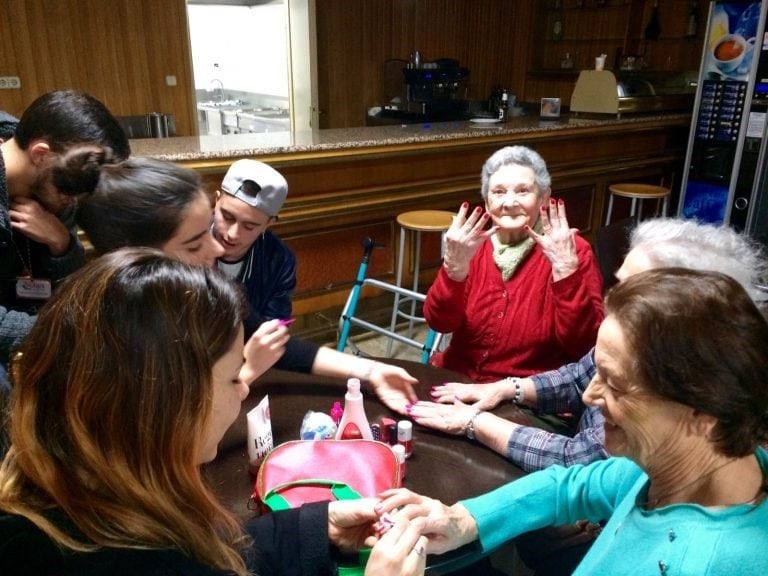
217,86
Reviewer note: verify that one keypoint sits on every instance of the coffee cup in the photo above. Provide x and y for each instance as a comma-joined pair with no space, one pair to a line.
729,52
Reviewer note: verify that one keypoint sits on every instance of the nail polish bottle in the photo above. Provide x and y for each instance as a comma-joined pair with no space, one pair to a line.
336,413
405,436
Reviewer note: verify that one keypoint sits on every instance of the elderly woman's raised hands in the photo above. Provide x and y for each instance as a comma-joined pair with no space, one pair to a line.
463,239
557,242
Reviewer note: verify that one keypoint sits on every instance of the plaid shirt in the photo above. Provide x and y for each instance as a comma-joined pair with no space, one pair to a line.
560,391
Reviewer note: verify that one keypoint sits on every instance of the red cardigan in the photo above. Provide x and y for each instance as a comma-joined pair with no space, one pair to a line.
526,325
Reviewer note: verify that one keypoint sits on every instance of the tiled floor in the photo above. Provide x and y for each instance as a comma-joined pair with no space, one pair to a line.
375,345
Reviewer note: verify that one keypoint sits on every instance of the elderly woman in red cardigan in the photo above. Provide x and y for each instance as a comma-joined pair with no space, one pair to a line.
522,295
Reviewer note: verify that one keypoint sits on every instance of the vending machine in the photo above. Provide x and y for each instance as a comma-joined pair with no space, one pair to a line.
724,181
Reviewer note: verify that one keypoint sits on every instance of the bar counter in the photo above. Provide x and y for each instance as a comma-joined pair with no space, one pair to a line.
346,184
203,151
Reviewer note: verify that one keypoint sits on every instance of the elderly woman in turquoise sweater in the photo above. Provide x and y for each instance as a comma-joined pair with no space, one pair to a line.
519,290
681,362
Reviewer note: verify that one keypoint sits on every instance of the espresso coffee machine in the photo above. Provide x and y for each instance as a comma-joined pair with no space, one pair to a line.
434,91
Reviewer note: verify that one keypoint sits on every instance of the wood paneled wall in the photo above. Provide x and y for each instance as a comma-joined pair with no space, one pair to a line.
122,50
490,37
119,51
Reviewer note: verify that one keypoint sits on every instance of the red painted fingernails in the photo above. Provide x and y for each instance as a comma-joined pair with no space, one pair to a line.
560,201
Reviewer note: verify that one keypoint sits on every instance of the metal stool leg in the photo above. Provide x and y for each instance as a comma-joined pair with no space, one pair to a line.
396,307
610,209
416,268
665,205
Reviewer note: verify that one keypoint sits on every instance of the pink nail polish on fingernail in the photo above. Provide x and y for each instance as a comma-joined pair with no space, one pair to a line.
286,322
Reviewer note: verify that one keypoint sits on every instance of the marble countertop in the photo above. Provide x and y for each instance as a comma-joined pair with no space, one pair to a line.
201,148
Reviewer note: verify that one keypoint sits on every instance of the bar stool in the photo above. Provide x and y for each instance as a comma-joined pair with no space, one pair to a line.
414,223
637,192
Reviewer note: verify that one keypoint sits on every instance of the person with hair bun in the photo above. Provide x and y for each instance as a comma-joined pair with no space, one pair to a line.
51,160
146,202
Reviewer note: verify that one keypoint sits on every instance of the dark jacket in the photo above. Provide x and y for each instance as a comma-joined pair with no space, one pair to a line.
288,543
269,277
17,315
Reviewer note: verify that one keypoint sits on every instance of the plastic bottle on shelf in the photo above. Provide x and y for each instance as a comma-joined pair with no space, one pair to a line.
354,423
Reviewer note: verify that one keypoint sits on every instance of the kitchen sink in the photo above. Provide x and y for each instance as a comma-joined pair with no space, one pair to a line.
255,120
222,104
264,113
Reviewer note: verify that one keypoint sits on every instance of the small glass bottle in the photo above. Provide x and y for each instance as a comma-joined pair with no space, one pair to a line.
504,107
354,423
692,26
405,436
336,413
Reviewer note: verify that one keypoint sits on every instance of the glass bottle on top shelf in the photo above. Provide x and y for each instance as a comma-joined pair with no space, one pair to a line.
692,25
557,29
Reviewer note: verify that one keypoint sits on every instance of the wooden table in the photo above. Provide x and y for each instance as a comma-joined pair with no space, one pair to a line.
442,466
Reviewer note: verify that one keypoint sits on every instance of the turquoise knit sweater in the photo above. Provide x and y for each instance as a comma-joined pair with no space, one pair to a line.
681,539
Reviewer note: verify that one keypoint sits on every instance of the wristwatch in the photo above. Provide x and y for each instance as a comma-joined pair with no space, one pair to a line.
469,429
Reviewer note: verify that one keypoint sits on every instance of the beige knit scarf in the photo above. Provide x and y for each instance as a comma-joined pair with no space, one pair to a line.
509,256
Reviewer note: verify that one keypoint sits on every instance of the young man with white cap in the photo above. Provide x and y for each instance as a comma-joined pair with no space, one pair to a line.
247,203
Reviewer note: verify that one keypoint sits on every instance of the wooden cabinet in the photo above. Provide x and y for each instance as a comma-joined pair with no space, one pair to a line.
569,34
576,31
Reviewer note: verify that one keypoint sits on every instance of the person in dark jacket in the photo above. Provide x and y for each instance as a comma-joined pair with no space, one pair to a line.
135,365
247,204
48,163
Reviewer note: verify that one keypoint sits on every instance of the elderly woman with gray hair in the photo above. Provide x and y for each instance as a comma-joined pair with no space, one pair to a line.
522,295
